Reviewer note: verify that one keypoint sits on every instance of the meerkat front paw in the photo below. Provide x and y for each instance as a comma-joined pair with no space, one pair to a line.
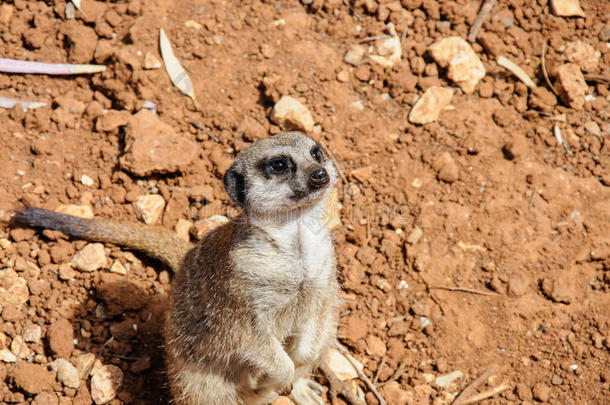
307,392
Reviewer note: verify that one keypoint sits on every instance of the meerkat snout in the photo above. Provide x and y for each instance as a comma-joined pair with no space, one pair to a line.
318,178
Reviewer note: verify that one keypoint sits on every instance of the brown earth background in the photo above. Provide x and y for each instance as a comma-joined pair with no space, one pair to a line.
523,219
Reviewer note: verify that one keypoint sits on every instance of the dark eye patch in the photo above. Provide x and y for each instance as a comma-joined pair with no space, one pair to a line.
317,154
277,166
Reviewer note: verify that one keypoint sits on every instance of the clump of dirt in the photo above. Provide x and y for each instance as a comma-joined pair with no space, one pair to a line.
477,240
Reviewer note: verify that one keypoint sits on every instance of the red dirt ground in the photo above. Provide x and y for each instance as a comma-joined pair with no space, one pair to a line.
526,223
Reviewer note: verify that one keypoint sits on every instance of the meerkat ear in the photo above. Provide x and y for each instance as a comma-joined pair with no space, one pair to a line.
235,185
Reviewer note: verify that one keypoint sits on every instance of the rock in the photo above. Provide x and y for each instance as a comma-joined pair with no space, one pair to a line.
463,65
389,52
355,55
82,40
514,148
20,348
118,268
343,76
103,50
375,346
119,293
556,380
282,400
524,393
90,258
32,333
67,374
66,272
354,328
183,229
47,398
68,111
84,364
140,365
446,168
571,85
81,211
60,337
204,226
567,8
395,395
341,366
289,113
331,215
6,12
518,284
112,120
363,73
582,54
415,235
151,61
362,174
7,356
32,378
13,289
149,208
152,146
428,108
541,392
443,381
559,288
593,128
542,99
105,383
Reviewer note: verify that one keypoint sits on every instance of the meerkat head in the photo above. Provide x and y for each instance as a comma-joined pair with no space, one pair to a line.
283,172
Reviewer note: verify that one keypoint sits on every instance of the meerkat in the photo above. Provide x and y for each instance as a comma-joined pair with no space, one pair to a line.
253,306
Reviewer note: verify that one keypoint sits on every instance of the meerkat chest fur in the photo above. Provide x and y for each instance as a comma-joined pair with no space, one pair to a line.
291,264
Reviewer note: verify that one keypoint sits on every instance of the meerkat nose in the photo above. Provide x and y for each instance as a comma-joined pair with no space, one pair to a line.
318,178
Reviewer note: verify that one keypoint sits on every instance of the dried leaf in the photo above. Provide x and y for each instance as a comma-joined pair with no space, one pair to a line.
7,102
176,72
21,66
517,71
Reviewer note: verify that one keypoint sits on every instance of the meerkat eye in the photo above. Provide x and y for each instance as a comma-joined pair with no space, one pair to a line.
278,165
316,153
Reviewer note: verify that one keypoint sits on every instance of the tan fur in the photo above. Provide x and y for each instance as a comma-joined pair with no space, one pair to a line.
253,306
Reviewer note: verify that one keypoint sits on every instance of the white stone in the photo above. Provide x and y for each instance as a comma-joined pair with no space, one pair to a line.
389,52
20,349
149,208
84,364
105,383
81,211
354,55
7,357
567,8
183,229
571,85
151,61
13,289
583,54
463,65
444,380
289,113
67,374
205,226
32,333
341,366
118,268
428,108
86,180
90,258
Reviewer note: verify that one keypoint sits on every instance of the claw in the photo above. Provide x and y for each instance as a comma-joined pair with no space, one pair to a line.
307,392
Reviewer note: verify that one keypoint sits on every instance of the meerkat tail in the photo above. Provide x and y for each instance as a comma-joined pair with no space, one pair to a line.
155,241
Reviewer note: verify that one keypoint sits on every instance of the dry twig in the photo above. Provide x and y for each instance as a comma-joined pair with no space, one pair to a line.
471,388
461,289
592,77
478,21
361,375
338,387
544,71
486,394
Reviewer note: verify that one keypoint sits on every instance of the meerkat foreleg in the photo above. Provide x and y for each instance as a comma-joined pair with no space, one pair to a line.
274,367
